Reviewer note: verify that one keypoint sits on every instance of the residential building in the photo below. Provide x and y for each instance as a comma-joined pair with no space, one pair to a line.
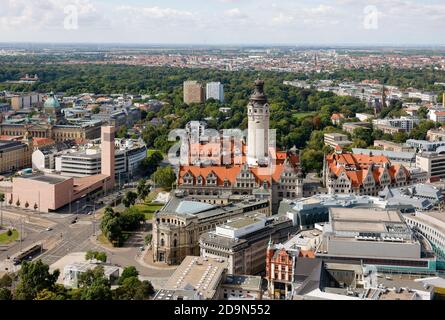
26,101
336,139
15,155
288,264
337,119
193,92
44,158
242,241
437,115
378,238
391,126
436,134
215,90
364,116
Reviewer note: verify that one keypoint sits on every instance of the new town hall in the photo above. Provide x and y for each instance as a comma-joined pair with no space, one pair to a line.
233,180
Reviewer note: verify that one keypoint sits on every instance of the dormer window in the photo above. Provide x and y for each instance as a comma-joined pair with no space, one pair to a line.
200,180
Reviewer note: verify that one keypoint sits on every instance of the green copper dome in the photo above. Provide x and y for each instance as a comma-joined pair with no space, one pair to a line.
52,102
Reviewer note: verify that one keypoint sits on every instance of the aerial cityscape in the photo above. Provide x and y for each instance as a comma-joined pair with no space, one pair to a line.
168,161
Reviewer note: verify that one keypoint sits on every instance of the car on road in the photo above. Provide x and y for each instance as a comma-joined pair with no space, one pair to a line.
74,221
49,229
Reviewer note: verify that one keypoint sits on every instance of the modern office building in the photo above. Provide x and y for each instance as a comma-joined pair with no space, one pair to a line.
426,146
433,163
200,278
128,158
50,192
391,126
336,139
432,226
242,241
193,92
215,90
372,237
195,279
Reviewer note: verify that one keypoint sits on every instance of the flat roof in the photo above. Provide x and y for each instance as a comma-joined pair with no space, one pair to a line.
244,282
240,223
47,178
364,215
198,274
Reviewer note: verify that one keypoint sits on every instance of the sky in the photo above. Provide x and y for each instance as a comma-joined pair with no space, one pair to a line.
213,22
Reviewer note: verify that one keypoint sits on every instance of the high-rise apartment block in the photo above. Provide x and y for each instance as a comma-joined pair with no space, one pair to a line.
193,92
215,90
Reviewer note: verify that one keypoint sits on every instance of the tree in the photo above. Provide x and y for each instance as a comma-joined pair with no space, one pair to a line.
312,160
133,289
363,135
93,285
34,277
99,256
164,177
6,281
5,294
130,199
152,162
46,294
143,189
128,273
422,113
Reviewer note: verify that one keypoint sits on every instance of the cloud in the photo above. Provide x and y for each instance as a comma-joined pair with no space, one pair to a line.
16,15
243,21
235,13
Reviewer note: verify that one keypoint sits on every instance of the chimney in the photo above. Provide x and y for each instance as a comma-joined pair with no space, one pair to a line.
108,154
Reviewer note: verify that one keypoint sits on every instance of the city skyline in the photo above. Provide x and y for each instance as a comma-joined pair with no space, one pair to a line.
243,22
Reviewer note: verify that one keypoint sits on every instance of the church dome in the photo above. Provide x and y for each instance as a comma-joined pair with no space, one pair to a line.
52,102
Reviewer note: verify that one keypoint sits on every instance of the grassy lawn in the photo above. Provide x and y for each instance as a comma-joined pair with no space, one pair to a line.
103,240
151,151
148,209
300,115
4,239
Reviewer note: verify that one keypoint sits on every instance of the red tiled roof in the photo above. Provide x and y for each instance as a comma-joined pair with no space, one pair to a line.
357,166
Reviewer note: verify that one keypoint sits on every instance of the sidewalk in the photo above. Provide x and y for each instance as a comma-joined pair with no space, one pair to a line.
146,259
